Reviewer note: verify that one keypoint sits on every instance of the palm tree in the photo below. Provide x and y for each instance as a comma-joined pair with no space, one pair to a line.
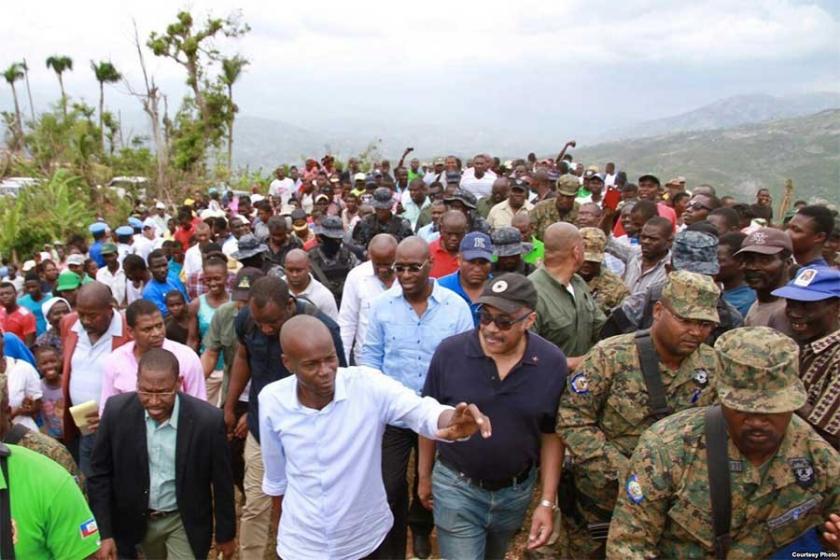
231,69
28,90
105,72
12,74
60,64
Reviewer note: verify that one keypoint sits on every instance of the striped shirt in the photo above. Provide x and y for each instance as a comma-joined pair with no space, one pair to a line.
819,368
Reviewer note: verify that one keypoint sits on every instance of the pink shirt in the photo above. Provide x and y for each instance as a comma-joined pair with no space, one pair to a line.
120,374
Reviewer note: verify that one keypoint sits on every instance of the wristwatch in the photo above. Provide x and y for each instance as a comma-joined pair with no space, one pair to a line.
549,504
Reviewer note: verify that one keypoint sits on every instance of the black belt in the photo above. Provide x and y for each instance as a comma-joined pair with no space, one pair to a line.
490,485
154,514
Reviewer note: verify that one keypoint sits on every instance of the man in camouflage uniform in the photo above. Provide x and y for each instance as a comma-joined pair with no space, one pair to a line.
608,404
607,288
561,208
383,220
331,260
783,476
32,440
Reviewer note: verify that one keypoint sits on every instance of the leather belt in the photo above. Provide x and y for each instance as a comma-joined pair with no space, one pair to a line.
489,485
154,514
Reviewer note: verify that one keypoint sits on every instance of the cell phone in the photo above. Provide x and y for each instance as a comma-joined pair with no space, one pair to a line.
612,198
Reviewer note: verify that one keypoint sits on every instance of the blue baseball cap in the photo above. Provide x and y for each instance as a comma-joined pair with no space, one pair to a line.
123,231
135,222
812,283
476,245
98,227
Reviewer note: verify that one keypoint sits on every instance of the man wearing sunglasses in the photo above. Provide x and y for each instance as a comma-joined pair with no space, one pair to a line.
406,325
611,400
699,207
480,490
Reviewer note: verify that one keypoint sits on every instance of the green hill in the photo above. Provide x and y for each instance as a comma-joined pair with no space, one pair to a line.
739,160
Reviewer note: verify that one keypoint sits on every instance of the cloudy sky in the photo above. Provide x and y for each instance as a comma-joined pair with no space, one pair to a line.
585,63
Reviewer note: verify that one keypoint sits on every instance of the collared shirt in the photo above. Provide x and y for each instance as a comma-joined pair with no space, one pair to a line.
429,233
522,406
120,371
327,463
572,322
265,354
443,262
221,337
453,282
88,361
155,292
819,368
318,294
401,344
545,213
501,215
479,187
638,280
115,281
360,289
411,210
161,440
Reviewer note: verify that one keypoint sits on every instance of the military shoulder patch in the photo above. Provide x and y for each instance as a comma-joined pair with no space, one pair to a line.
634,489
579,384
803,470
701,376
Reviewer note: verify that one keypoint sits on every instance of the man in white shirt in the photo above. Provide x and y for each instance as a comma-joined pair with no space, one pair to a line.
321,441
478,179
161,218
112,274
361,287
192,258
302,285
281,186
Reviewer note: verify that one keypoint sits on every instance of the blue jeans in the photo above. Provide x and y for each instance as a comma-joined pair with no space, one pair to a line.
473,523
85,451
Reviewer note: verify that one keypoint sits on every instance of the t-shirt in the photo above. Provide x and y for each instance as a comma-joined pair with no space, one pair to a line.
174,331
22,381
35,307
52,410
741,298
50,517
21,322
769,314
284,188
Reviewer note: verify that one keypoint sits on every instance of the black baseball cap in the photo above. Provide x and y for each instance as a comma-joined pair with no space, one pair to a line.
508,292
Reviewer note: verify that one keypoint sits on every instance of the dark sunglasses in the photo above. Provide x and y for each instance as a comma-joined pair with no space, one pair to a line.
413,267
502,323
697,206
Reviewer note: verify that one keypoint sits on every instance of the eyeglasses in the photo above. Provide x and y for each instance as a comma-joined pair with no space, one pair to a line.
697,206
151,395
502,322
688,323
413,267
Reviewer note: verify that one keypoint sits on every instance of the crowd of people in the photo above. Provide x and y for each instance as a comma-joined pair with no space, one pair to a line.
616,369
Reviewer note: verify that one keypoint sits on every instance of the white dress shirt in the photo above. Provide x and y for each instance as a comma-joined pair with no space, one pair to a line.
328,463
115,281
360,289
318,294
479,187
88,361
192,261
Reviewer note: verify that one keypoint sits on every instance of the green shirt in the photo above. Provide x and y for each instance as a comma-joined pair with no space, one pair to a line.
221,337
571,323
535,256
160,443
50,518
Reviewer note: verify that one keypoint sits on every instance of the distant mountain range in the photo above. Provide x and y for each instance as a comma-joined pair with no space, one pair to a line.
740,159
729,112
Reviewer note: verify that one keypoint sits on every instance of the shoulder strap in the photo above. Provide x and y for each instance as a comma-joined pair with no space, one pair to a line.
322,278
15,434
7,547
649,360
720,491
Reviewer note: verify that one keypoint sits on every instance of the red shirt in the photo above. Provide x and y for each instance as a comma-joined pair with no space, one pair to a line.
443,262
20,322
661,208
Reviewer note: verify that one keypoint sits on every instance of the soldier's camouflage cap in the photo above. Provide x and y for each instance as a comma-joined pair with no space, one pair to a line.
594,242
695,251
568,185
692,295
758,371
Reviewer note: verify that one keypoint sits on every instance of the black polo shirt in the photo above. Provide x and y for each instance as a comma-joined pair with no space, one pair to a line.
264,355
521,407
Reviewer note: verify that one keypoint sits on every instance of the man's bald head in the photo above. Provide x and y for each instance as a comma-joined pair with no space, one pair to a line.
94,294
414,248
302,332
561,240
296,257
453,219
382,244
520,219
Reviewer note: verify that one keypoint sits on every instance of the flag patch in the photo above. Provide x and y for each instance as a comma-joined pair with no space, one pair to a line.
88,528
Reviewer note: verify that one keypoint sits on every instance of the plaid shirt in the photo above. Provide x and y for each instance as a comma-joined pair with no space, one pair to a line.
195,283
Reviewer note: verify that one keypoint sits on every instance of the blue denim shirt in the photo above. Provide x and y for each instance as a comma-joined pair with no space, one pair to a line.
400,344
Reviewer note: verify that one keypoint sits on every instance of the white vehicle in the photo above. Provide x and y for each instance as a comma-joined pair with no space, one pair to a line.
11,186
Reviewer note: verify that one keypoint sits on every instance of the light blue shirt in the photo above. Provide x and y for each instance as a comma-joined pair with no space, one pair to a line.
429,233
160,444
327,464
401,344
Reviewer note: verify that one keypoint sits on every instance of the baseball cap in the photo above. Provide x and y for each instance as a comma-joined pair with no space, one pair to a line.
519,185
598,176
508,292
188,202
507,242
75,259
440,161
476,245
692,295
812,283
321,197
766,241
758,371
568,185
594,242
332,227
382,199
649,177
149,223
245,278
98,227
160,205
695,251
359,177
108,248
123,231
67,280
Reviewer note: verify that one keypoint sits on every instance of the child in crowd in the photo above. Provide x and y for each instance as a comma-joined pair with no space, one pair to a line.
178,320
48,360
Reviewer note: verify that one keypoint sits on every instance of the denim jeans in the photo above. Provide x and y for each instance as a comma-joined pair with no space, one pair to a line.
476,524
85,451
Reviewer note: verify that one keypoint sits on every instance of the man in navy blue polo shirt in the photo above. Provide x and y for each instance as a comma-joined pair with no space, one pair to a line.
258,362
474,263
480,490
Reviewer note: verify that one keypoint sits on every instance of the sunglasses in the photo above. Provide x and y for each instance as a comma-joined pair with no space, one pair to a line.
697,206
413,267
502,322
